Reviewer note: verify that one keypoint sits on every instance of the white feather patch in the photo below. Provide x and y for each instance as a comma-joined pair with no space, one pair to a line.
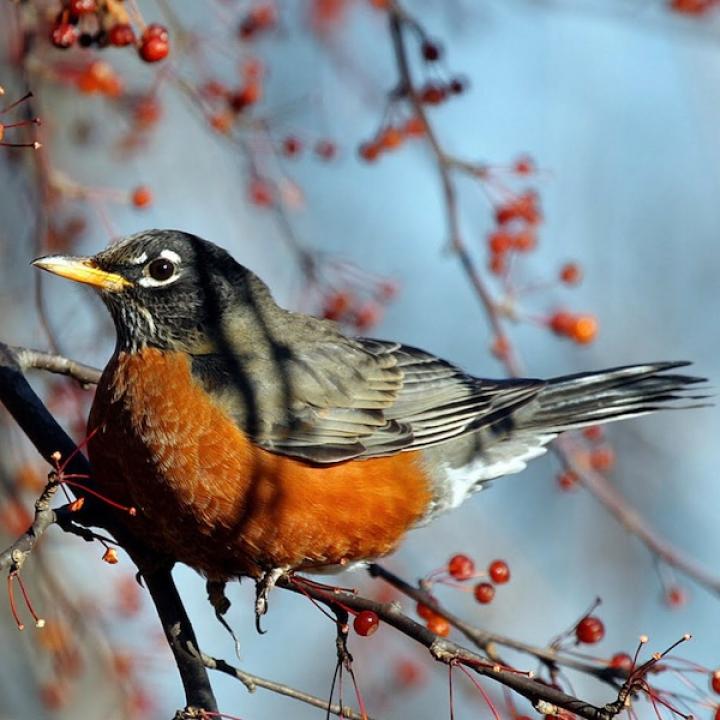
461,482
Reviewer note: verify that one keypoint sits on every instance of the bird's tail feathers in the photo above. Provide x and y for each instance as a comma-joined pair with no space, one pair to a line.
576,401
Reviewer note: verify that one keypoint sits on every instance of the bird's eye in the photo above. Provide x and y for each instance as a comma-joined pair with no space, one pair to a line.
161,269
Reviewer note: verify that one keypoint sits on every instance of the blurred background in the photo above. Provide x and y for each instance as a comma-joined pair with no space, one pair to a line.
247,134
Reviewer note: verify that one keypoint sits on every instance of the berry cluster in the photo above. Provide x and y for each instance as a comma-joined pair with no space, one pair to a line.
227,103
92,23
390,137
598,455
354,310
517,218
437,90
460,569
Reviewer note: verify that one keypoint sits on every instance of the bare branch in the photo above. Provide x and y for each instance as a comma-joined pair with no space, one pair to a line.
36,359
451,653
252,682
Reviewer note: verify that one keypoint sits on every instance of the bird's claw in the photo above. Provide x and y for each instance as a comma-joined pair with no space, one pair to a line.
262,589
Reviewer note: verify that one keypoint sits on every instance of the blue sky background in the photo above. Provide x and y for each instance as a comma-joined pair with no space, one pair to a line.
619,105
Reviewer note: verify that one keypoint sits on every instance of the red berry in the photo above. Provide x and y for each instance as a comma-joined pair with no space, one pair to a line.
715,682
561,323
675,596
261,193
438,625
525,240
367,316
64,35
499,571
570,274
590,630
153,49
369,151
717,713
461,567
121,35
433,94
524,166
83,7
484,593
155,31
431,51
567,480
142,197
366,623
500,241
621,661
594,433
291,146
425,612
325,149
414,126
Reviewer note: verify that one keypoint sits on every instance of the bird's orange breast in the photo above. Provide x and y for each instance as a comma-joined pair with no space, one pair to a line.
208,496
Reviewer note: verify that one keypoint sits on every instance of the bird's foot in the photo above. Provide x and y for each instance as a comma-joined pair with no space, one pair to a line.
221,604
263,586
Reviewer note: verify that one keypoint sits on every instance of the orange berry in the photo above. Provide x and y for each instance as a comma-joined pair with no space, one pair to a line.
500,241
414,127
438,625
142,196
222,122
602,459
391,138
570,274
584,329
524,240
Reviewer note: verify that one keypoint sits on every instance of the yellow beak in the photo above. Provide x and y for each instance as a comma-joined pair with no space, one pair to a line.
83,270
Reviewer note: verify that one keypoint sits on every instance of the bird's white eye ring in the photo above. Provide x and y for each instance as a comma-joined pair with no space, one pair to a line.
161,269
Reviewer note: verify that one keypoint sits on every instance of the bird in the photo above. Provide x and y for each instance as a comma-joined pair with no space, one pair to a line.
254,441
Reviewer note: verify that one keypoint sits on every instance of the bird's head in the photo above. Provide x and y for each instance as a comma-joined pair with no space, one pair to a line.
166,289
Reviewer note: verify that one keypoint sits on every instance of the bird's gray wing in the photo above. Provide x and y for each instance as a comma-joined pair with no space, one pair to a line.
333,398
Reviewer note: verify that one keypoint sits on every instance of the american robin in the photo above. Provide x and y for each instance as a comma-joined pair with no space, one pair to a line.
253,440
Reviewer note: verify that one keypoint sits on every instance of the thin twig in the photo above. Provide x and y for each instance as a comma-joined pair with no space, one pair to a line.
252,682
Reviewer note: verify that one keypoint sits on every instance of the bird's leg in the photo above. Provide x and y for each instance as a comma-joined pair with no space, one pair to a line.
263,586
221,604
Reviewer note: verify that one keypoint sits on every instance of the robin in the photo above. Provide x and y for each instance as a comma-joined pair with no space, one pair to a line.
255,441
